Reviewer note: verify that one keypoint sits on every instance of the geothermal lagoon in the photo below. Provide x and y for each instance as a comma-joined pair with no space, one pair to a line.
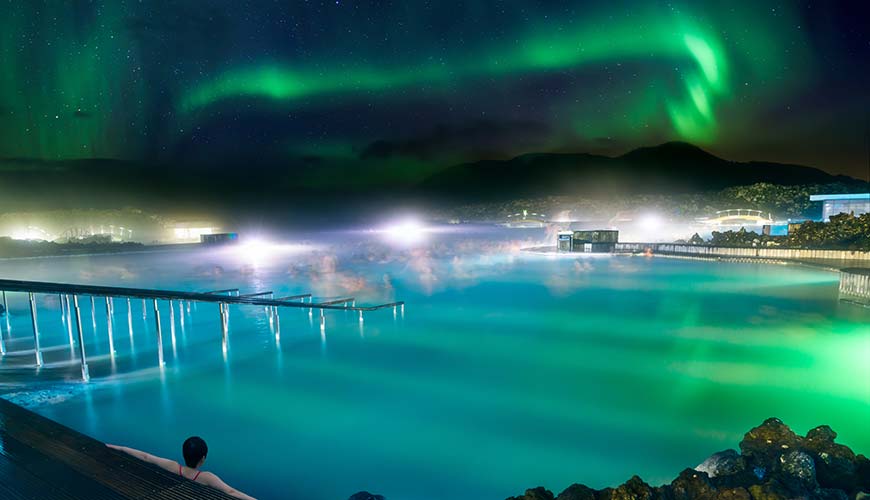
506,370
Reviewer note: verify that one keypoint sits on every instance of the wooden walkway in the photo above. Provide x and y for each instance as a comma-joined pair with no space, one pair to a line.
41,459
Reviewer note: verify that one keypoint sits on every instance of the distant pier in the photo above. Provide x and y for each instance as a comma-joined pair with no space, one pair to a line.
855,285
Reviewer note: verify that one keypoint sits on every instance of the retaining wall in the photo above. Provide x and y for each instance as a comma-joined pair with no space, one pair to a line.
758,253
855,284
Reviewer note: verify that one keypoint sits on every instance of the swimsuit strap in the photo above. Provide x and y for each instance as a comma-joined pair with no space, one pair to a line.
194,476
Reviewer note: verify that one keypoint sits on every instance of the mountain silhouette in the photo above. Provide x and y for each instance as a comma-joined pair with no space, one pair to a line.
672,167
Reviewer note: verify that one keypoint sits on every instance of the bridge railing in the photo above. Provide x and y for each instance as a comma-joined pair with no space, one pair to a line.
69,294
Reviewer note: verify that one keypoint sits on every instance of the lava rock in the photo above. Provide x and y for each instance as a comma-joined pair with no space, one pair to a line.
691,485
733,494
727,469
365,495
775,464
830,494
862,472
579,492
763,445
723,463
798,472
539,493
835,463
771,490
633,489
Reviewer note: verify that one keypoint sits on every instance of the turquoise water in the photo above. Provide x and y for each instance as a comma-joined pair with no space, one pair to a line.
507,370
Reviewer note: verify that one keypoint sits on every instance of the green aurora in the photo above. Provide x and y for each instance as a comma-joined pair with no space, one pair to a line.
119,80
672,37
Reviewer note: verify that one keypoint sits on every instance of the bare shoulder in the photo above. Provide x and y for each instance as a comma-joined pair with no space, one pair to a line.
209,478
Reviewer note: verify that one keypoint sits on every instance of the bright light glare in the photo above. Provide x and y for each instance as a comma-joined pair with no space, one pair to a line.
30,233
406,232
258,251
651,221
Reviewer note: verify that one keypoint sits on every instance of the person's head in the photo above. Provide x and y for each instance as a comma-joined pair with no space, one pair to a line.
194,450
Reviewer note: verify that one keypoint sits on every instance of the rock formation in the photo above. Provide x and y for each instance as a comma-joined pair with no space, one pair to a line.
774,463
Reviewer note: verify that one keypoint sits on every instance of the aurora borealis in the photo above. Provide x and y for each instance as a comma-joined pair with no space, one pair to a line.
394,90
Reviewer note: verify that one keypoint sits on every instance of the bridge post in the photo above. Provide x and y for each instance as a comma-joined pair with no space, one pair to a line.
67,310
224,325
130,319
35,330
159,334
109,327
6,308
277,324
5,313
86,376
360,317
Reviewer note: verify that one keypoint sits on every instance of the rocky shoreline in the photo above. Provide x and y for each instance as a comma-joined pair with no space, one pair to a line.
773,463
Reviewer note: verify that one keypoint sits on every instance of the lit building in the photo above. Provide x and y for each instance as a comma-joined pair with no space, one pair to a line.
833,204
218,238
594,241
190,232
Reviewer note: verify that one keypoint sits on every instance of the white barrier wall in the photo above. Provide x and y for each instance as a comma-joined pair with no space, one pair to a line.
855,283
760,253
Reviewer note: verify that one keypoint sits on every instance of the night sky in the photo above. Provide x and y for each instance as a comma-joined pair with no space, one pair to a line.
392,91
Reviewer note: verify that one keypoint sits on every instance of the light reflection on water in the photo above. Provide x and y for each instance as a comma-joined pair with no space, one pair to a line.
509,370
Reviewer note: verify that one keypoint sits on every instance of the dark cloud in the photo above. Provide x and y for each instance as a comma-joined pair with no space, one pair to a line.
480,137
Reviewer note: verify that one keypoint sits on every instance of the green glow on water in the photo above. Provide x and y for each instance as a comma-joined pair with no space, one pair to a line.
507,371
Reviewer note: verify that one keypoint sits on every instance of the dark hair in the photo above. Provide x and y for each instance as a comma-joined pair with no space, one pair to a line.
194,450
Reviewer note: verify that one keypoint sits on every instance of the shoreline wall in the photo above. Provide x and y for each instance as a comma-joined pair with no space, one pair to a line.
757,253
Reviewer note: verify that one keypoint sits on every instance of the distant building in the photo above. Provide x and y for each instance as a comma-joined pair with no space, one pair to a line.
833,204
775,229
190,231
594,241
564,241
218,238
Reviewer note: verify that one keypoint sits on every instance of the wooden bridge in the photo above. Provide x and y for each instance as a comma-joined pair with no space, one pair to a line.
69,295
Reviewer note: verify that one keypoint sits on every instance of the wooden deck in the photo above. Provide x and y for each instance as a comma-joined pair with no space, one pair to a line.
41,459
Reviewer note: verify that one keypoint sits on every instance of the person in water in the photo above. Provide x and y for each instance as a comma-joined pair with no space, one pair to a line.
194,450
